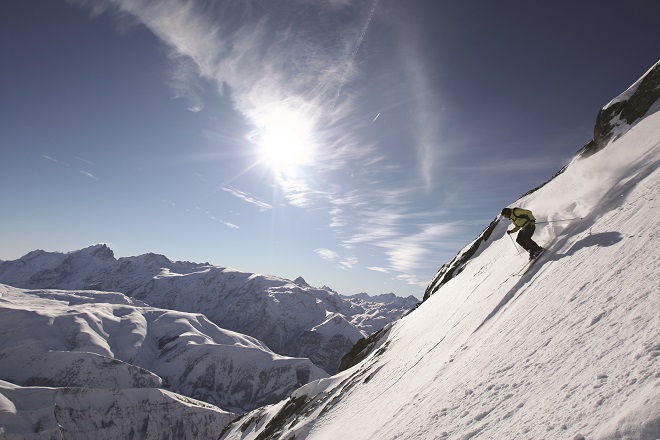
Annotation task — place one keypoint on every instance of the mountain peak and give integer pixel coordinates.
(301, 282)
(101, 251)
(32, 254)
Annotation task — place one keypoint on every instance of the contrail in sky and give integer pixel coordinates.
(375, 118)
(355, 51)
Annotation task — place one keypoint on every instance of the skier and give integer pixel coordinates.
(523, 220)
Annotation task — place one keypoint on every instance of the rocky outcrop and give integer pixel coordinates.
(624, 111)
(363, 348)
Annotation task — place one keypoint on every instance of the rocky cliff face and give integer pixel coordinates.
(624, 111)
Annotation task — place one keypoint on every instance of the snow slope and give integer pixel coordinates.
(279, 312)
(571, 350)
(91, 339)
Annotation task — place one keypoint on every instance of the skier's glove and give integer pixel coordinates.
(509, 232)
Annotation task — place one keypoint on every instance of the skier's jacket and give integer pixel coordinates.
(521, 218)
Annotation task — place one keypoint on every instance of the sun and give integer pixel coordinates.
(285, 139)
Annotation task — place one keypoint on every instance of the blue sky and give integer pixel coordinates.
(359, 144)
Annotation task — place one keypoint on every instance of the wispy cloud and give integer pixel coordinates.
(267, 61)
(330, 255)
(264, 59)
(263, 206)
(407, 253)
(229, 225)
(185, 83)
(296, 190)
(378, 269)
(213, 217)
(327, 254)
(90, 175)
(305, 61)
(59, 162)
(351, 59)
(427, 115)
(348, 263)
(45, 156)
(412, 280)
(84, 160)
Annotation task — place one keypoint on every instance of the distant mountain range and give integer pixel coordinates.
(141, 345)
(290, 317)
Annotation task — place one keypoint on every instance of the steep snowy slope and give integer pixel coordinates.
(571, 350)
(106, 340)
(279, 312)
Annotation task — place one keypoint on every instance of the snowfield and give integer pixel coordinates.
(571, 350)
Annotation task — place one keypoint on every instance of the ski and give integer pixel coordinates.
(529, 265)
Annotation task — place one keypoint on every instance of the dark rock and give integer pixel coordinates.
(362, 349)
(629, 111)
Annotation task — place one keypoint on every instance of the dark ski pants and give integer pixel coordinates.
(524, 238)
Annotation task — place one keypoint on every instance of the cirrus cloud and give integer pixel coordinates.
(327, 254)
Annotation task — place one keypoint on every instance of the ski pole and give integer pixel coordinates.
(564, 220)
(514, 245)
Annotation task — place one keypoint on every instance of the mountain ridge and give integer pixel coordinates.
(280, 312)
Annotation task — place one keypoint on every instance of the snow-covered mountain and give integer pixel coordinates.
(385, 298)
(286, 315)
(569, 350)
(92, 339)
(45, 413)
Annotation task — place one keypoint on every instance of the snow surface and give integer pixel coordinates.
(336, 324)
(571, 350)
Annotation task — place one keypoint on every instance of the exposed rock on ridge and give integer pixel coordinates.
(624, 110)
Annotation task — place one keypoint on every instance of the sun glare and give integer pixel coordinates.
(285, 140)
